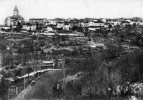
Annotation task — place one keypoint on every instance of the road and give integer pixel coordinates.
(42, 88)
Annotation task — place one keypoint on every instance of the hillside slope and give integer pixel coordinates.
(42, 88)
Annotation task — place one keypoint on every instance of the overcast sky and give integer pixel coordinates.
(72, 8)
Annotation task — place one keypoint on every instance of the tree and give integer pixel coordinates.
(18, 27)
(112, 52)
(3, 89)
(37, 26)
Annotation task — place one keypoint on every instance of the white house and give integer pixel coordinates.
(60, 25)
(52, 22)
(93, 28)
(96, 23)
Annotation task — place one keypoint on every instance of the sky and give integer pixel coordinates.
(72, 8)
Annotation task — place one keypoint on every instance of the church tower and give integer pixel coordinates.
(14, 19)
(16, 11)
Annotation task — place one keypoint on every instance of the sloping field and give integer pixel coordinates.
(42, 88)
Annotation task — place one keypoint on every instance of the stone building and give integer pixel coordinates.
(42, 21)
(13, 20)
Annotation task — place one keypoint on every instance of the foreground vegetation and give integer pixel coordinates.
(107, 69)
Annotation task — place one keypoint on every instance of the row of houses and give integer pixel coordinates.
(50, 25)
(92, 24)
(64, 24)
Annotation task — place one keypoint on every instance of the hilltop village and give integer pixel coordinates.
(86, 58)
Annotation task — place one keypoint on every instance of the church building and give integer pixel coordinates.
(13, 20)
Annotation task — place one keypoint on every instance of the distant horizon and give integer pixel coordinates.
(50, 9)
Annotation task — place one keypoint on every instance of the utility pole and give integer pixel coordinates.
(63, 68)
(0, 59)
(8, 94)
(16, 89)
(24, 82)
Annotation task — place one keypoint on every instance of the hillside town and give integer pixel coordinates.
(71, 59)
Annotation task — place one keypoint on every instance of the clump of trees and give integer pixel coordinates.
(107, 69)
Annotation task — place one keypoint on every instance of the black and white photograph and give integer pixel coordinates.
(71, 49)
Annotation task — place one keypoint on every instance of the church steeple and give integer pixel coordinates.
(16, 11)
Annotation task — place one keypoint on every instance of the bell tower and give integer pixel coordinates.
(16, 11)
